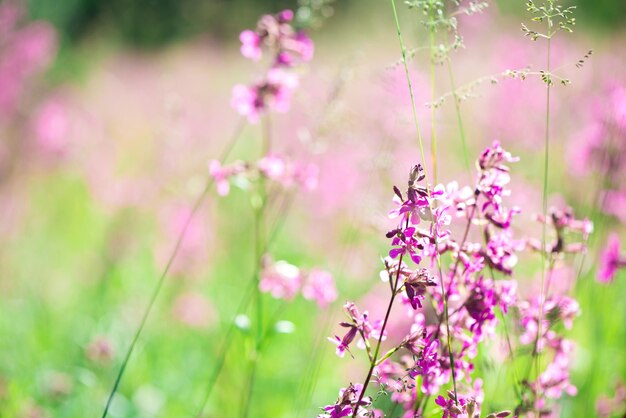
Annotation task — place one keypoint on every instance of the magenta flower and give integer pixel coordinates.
(405, 243)
(427, 366)
(416, 285)
(453, 410)
(347, 403)
(343, 344)
(610, 260)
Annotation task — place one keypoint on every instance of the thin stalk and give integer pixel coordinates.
(199, 200)
(545, 207)
(260, 238)
(221, 358)
(433, 128)
(380, 339)
(421, 147)
(282, 215)
(459, 119)
(596, 206)
(250, 384)
(518, 391)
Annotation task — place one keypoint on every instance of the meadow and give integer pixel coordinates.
(378, 208)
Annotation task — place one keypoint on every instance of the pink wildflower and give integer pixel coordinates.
(320, 287)
(281, 279)
(610, 260)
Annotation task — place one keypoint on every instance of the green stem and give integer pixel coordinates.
(380, 339)
(260, 238)
(545, 211)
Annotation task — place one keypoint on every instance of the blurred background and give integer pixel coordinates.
(109, 113)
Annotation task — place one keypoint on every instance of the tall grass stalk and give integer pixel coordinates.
(428, 187)
(546, 167)
(249, 293)
(260, 245)
(157, 289)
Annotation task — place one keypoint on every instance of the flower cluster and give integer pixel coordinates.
(348, 404)
(462, 305)
(283, 281)
(358, 323)
(273, 166)
(288, 47)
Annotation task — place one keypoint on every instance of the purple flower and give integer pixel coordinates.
(406, 243)
(416, 285)
(464, 409)
(427, 366)
(347, 403)
(343, 344)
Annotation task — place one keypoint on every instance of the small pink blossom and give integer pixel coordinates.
(250, 45)
(222, 174)
(51, 126)
(281, 279)
(100, 350)
(610, 260)
(194, 310)
(320, 287)
(272, 93)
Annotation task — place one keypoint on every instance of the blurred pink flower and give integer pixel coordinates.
(100, 350)
(276, 33)
(288, 173)
(281, 279)
(601, 145)
(221, 177)
(320, 287)
(25, 51)
(194, 310)
(610, 260)
(274, 167)
(51, 125)
(615, 203)
(250, 45)
(194, 246)
(272, 93)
